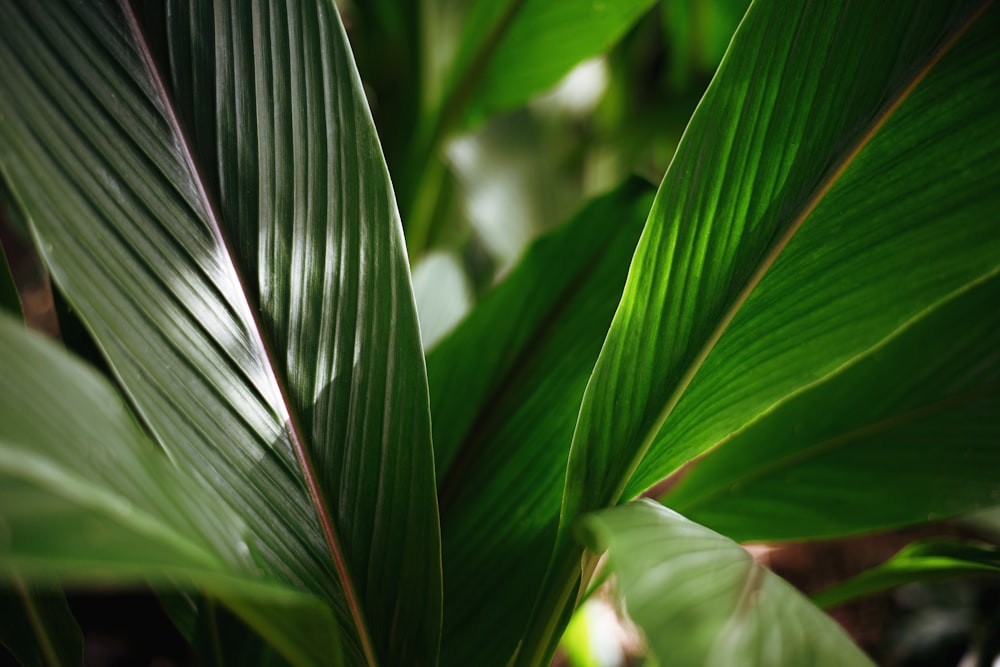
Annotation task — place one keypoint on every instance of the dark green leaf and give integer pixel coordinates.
(908, 432)
(505, 388)
(73, 506)
(245, 277)
(37, 626)
(701, 599)
(921, 561)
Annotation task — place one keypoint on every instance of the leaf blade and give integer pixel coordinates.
(702, 600)
(180, 262)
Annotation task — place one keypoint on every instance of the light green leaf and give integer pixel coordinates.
(926, 560)
(906, 433)
(879, 249)
(37, 626)
(701, 599)
(812, 184)
(72, 506)
(716, 232)
(224, 225)
(505, 388)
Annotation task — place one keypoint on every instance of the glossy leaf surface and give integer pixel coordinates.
(814, 162)
(926, 560)
(915, 436)
(736, 214)
(701, 599)
(505, 388)
(224, 224)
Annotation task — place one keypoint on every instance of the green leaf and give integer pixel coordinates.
(877, 251)
(73, 507)
(703, 600)
(511, 50)
(812, 184)
(37, 626)
(505, 389)
(906, 433)
(926, 560)
(729, 206)
(224, 225)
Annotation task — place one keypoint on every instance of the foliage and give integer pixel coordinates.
(797, 329)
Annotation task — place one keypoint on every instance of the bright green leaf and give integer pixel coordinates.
(813, 183)
(701, 599)
(224, 225)
(878, 250)
(926, 560)
(910, 431)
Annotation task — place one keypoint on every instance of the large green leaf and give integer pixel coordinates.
(505, 388)
(74, 507)
(921, 561)
(37, 625)
(812, 183)
(230, 238)
(701, 599)
(915, 435)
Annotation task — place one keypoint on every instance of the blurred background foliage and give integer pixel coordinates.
(497, 177)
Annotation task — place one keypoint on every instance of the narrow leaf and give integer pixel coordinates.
(926, 560)
(701, 599)
(810, 155)
(224, 225)
(909, 432)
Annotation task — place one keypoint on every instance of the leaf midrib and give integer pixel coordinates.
(771, 256)
(250, 314)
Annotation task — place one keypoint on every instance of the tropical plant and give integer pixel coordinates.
(798, 331)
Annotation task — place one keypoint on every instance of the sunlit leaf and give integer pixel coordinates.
(821, 181)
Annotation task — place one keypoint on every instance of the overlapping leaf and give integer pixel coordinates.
(228, 234)
(833, 152)
(73, 507)
(702, 600)
(915, 435)
(505, 388)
